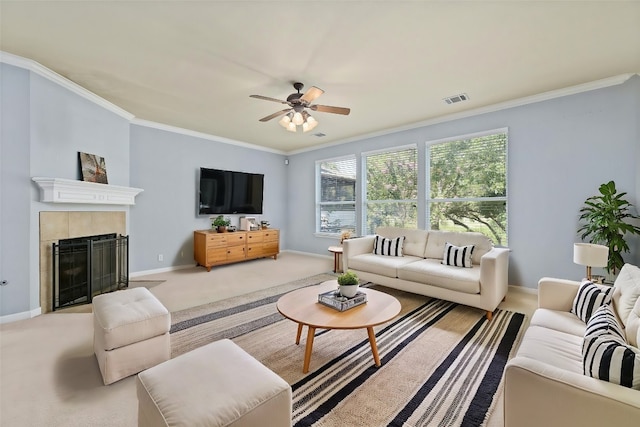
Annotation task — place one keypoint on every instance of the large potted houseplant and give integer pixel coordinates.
(348, 284)
(605, 219)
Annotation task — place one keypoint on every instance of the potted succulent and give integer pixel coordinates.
(221, 223)
(605, 223)
(348, 284)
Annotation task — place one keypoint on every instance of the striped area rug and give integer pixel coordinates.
(442, 363)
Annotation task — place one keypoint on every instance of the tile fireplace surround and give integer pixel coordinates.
(66, 225)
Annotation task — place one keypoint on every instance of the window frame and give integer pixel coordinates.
(318, 190)
(364, 196)
(427, 192)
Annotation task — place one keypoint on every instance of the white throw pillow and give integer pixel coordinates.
(589, 298)
(628, 282)
(633, 326)
(458, 256)
(389, 247)
(608, 358)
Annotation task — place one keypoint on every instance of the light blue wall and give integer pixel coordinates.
(560, 151)
(14, 189)
(167, 165)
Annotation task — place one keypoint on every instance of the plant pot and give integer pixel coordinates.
(221, 228)
(348, 291)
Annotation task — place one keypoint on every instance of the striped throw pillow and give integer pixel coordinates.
(589, 298)
(458, 256)
(604, 321)
(389, 247)
(609, 358)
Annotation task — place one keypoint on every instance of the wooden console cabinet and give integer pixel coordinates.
(211, 248)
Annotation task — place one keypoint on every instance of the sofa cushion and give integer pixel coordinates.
(555, 348)
(437, 240)
(633, 325)
(609, 358)
(432, 272)
(589, 297)
(389, 247)
(561, 321)
(604, 321)
(457, 256)
(628, 282)
(414, 240)
(377, 264)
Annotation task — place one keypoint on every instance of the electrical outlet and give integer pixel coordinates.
(160, 257)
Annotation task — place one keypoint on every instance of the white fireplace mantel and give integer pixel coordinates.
(60, 190)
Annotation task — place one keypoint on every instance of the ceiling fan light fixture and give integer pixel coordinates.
(285, 120)
(297, 118)
(297, 114)
(309, 124)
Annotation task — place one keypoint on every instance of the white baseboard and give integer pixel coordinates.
(523, 289)
(20, 316)
(308, 254)
(181, 267)
(160, 270)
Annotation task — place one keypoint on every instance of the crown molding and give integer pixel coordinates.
(196, 134)
(41, 70)
(45, 72)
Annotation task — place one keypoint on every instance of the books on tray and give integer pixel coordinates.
(334, 300)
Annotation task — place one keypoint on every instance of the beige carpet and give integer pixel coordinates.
(441, 363)
(49, 375)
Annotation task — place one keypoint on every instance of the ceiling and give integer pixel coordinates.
(193, 64)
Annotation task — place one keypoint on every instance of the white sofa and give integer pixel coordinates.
(420, 269)
(545, 384)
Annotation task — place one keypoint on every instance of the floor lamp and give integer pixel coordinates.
(590, 255)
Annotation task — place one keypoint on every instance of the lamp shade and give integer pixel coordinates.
(590, 254)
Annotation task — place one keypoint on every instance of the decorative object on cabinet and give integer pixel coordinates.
(221, 224)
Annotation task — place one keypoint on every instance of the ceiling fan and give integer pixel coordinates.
(296, 114)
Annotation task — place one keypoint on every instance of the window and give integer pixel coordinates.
(391, 194)
(336, 198)
(468, 185)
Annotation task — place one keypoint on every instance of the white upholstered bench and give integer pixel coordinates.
(218, 385)
(130, 332)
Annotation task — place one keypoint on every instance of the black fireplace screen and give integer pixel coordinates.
(88, 266)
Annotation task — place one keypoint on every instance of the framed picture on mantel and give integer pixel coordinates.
(93, 168)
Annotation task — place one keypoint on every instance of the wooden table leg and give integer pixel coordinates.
(307, 351)
(299, 333)
(374, 347)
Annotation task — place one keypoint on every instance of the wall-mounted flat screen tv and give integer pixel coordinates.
(230, 192)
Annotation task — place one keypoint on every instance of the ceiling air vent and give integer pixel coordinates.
(319, 134)
(457, 98)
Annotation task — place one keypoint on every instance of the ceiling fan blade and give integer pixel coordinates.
(312, 94)
(266, 98)
(329, 109)
(274, 115)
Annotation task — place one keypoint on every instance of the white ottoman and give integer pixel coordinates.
(130, 332)
(216, 385)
